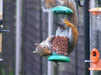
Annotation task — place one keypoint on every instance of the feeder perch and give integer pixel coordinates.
(60, 40)
(95, 11)
(95, 63)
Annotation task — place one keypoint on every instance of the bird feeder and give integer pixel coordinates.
(61, 39)
(95, 39)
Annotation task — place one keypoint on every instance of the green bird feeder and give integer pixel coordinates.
(60, 12)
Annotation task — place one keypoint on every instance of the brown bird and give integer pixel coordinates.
(44, 48)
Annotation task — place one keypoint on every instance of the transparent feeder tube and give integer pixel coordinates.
(92, 32)
(95, 36)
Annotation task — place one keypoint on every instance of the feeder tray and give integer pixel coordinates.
(59, 49)
(62, 10)
(95, 11)
(95, 63)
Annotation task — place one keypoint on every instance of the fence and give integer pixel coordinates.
(35, 30)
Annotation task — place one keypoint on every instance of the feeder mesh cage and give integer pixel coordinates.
(60, 45)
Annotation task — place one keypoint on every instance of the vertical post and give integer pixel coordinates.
(87, 35)
(18, 36)
(50, 23)
(52, 66)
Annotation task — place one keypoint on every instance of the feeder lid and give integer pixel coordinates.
(62, 10)
(95, 11)
(57, 57)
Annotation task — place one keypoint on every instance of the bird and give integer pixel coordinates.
(44, 48)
